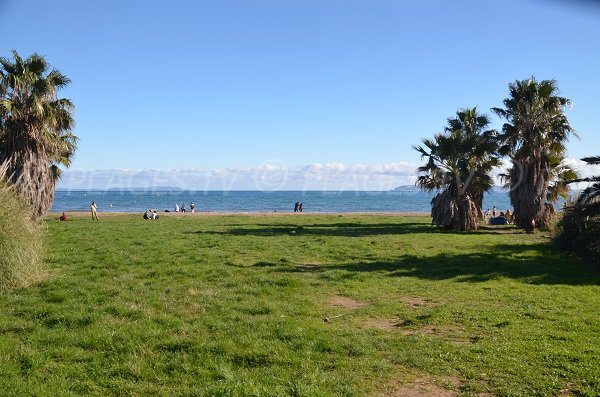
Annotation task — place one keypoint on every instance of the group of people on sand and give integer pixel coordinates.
(153, 215)
(298, 206)
(183, 208)
(495, 218)
(149, 214)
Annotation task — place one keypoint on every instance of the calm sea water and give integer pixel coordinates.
(257, 201)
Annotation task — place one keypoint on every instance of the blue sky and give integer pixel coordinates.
(255, 85)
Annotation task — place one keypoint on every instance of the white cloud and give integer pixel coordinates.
(271, 175)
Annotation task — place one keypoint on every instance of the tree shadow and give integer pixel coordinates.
(346, 229)
(528, 263)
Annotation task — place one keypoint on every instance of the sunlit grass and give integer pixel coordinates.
(299, 306)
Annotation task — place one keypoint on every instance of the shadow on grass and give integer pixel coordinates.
(533, 263)
(346, 230)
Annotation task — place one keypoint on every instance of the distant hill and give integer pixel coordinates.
(413, 188)
(127, 189)
(406, 188)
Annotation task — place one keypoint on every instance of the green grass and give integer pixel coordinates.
(235, 306)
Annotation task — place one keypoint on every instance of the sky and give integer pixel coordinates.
(311, 94)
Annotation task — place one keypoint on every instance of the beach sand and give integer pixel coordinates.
(208, 214)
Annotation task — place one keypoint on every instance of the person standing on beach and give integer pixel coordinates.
(94, 209)
(300, 207)
(182, 207)
(296, 206)
(192, 207)
(176, 207)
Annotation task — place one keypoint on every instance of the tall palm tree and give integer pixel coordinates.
(35, 127)
(534, 137)
(459, 162)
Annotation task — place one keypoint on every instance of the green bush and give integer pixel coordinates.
(579, 229)
(20, 241)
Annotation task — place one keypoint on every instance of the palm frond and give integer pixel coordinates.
(592, 160)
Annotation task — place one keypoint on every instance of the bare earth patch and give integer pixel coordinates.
(567, 392)
(420, 302)
(448, 333)
(309, 266)
(384, 325)
(343, 301)
(421, 388)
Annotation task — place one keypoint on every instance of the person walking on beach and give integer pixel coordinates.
(300, 207)
(296, 206)
(94, 209)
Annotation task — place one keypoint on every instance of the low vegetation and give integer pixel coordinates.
(20, 241)
(300, 306)
(579, 228)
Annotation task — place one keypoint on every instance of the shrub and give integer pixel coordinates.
(579, 229)
(20, 241)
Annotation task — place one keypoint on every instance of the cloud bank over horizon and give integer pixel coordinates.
(269, 176)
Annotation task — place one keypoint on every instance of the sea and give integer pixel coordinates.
(406, 200)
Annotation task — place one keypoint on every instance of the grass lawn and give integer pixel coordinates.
(308, 305)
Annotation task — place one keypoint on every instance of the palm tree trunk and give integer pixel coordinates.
(477, 197)
(528, 195)
(456, 213)
(30, 173)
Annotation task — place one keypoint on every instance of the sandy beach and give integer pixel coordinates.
(208, 214)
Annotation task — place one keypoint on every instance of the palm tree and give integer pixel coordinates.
(35, 127)
(459, 162)
(534, 137)
(579, 229)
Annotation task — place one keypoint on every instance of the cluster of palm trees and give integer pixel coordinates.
(459, 161)
(35, 128)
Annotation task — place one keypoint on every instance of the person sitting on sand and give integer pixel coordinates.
(63, 217)
(147, 214)
(154, 215)
(509, 216)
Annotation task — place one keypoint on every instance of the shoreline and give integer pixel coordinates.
(231, 213)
